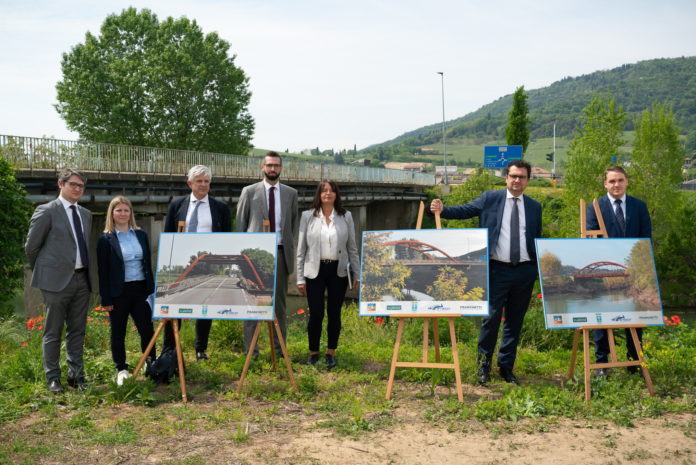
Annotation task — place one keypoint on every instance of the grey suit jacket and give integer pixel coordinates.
(252, 209)
(51, 246)
(309, 246)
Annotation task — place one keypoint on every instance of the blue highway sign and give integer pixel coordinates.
(498, 156)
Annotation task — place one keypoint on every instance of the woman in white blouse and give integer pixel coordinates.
(327, 258)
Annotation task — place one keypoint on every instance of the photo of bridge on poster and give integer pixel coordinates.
(215, 276)
(598, 282)
(424, 272)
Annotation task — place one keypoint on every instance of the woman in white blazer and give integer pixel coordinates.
(327, 258)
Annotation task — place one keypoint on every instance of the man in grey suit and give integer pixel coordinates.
(57, 247)
(277, 203)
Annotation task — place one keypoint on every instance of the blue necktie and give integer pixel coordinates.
(620, 217)
(193, 222)
(515, 233)
(81, 244)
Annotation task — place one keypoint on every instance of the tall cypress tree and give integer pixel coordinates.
(517, 129)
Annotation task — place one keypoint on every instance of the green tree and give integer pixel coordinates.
(640, 267)
(152, 83)
(517, 129)
(263, 262)
(596, 141)
(15, 212)
(479, 182)
(451, 285)
(381, 275)
(655, 171)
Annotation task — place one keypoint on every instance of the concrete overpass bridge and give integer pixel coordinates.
(379, 199)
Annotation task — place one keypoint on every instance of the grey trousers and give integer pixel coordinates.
(281, 292)
(67, 308)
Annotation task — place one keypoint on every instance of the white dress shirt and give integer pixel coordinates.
(205, 219)
(68, 211)
(613, 205)
(502, 248)
(329, 237)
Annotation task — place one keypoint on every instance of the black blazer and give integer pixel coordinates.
(489, 208)
(637, 218)
(219, 211)
(112, 270)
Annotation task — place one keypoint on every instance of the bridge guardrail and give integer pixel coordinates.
(43, 153)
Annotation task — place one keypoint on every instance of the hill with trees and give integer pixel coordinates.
(636, 87)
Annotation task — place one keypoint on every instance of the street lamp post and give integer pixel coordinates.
(444, 144)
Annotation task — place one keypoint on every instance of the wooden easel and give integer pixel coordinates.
(613, 363)
(181, 227)
(436, 337)
(271, 326)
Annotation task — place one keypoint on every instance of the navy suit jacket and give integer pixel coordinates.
(112, 269)
(489, 208)
(219, 212)
(637, 218)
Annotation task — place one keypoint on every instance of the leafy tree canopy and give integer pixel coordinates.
(151, 83)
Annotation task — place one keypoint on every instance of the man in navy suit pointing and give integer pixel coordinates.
(624, 216)
(513, 221)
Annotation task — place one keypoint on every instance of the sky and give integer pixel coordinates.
(335, 74)
(454, 242)
(187, 245)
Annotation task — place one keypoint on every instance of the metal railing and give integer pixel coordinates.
(32, 153)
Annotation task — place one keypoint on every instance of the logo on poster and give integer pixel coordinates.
(598, 316)
(371, 307)
(204, 310)
(393, 307)
(558, 319)
(414, 306)
(164, 309)
(437, 307)
(185, 310)
(579, 319)
(225, 311)
(620, 318)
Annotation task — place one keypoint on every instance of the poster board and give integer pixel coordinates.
(424, 272)
(598, 282)
(226, 276)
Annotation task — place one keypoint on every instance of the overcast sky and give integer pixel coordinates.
(337, 73)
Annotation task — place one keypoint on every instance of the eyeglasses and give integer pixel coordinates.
(516, 177)
(272, 165)
(75, 185)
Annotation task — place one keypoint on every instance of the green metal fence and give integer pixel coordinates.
(29, 153)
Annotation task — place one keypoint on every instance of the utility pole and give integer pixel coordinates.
(444, 144)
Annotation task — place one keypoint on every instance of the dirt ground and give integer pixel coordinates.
(409, 439)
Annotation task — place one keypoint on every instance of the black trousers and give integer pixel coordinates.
(133, 302)
(601, 340)
(511, 289)
(202, 333)
(326, 281)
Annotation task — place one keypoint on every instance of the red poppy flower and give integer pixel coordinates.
(30, 324)
(539, 295)
(675, 320)
(25, 343)
(379, 320)
(300, 311)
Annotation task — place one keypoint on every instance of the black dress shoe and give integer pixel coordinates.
(201, 356)
(484, 376)
(79, 383)
(313, 359)
(507, 375)
(330, 361)
(55, 387)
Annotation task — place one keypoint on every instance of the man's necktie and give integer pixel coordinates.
(81, 244)
(271, 208)
(515, 233)
(620, 216)
(193, 222)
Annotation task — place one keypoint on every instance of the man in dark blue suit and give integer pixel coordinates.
(624, 216)
(513, 221)
(197, 212)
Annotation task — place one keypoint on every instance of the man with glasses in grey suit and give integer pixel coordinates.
(277, 203)
(57, 247)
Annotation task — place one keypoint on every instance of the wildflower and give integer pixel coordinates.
(30, 324)
(25, 343)
(300, 311)
(39, 318)
(379, 320)
(540, 295)
(39, 328)
(675, 320)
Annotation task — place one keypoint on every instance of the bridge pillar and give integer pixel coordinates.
(392, 214)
